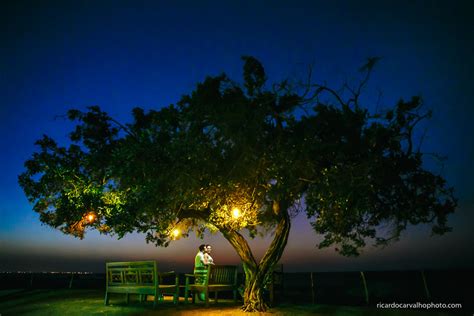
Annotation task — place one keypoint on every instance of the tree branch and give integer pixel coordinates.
(241, 246)
(275, 251)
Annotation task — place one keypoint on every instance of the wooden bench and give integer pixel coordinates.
(139, 277)
(216, 278)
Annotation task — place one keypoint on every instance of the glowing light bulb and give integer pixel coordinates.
(235, 212)
(175, 233)
(90, 217)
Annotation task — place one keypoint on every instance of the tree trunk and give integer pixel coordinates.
(256, 273)
(253, 295)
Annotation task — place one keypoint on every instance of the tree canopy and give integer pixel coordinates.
(235, 157)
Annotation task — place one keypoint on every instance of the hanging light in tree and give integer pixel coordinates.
(175, 233)
(235, 212)
(91, 217)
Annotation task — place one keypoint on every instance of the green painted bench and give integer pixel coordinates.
(139, 277)
(216, 278)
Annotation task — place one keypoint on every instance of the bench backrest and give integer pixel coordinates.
(136, 273)
(222, 274)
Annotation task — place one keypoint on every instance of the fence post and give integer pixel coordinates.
(312, 288)
(364, 282)
(31, 280)
(70, 281)
(427, 292)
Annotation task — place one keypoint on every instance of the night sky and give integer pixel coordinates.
(57, 55)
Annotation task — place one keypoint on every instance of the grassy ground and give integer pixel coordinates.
(91, 302)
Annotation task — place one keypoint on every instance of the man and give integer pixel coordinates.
(201, 262)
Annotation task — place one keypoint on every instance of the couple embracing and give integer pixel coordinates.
(203, 258)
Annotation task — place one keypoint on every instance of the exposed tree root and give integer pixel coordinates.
(255, 306)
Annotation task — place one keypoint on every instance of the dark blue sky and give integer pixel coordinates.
(56, 55)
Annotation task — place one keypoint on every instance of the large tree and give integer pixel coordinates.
(242, 160)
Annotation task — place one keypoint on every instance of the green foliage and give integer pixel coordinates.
(224, 146)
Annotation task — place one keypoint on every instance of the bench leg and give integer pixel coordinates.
(216, 296)
(155, 299)
(207, 297)
(235, 296)
(106, 300)
(127, 298)
(176, 294)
